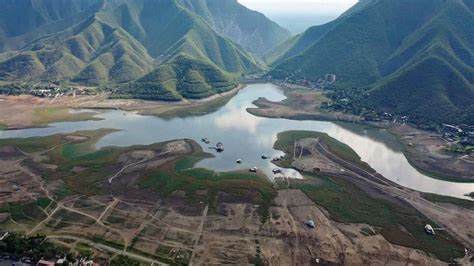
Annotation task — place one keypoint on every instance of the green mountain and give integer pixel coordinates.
(182, 77)
(250, 29)
(22, 21)
(118, 41)
(417, 57)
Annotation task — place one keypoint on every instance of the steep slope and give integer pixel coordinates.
(175, 29)
(91, 52)
(117, 41)
(417, 56)
(301, 42)
(23, 21)
(182, 77)
(36, 13)
(250, 29)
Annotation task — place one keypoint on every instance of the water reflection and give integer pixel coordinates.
(248, 137)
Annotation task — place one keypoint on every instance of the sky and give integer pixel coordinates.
(297, 15)
(323, 7)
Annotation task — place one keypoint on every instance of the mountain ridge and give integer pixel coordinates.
(118, 41)
(384, 44)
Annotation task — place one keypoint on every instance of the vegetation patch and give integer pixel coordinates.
(47, 115)
(18, 246)
(122, 260)
(468, 204)
(23, 211)
(43, 202)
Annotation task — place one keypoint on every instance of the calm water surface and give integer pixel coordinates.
(248, 137)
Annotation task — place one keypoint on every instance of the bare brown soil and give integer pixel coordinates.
(138, 220)
(426, 151)
(454, 219)
(236, 234)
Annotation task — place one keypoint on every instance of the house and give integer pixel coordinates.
(452, 129)
(220, 147)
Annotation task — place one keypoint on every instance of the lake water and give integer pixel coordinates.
(247, 137)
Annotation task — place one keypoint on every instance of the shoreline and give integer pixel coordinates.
(23, 112)
(425, 153)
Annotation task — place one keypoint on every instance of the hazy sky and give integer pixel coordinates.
(323, 7)
(298, 15)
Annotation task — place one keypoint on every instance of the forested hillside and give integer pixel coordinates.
(417, 57)
(96, 42)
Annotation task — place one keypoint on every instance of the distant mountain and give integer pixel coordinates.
(250, 29)
(118, 41)
(416, 56)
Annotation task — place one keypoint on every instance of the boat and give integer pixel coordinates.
(276, 171)
(220, 147)
(253, 169)
(206, 140)
(239, 161)
(264, 156)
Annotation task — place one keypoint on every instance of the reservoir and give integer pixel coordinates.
(247, 137)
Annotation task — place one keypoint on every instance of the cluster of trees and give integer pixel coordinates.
(18, 246)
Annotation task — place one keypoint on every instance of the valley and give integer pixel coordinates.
(197, 132)
(91, 189)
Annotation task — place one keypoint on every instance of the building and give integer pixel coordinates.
(452, 129)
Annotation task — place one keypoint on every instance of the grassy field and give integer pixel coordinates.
(286, 140)
(347, 203)
(445, 199)
(68, 154)
(25, 212)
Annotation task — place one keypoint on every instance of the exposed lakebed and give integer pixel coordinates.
(247, 137)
